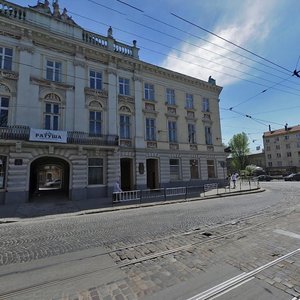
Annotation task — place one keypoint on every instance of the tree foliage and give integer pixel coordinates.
(239, 145)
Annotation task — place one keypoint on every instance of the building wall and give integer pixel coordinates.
(29, 91)
(282, 149)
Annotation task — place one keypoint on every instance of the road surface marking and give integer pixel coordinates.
(236, 281)
(288, 233)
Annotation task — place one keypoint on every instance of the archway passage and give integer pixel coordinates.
(49, 179)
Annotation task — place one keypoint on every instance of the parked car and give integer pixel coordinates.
(54, 183)
(292, 177)
(264, 178)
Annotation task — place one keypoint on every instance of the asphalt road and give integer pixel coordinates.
(54, 251)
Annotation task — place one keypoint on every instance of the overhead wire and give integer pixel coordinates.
(230, 42)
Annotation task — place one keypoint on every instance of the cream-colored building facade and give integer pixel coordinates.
(80, 110)
(282, 150)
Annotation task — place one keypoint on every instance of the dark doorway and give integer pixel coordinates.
(126, 174)
(49, 179)
(152, 173)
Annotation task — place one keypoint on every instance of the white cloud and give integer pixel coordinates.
(247, 25)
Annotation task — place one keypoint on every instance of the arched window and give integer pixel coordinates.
(4, 104)
(52, 112)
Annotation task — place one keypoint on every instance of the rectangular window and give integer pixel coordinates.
(194, 169)
(279, 163)
(95, 80)
(4, 102)
(124, 127)
(170, 93)
(267, 141)
(269, 164)
(205, 105)
(298, 144)
(172, 132)
(95, 123)
(174, 169)
(298, 135)
(191, 133)
(208, 135)
(286, 137)
(150, 130)
(53, 71)
(277, 147)
(278, 155)
(51, 116)
(189, 101)
(6, 58)
(2, 171)
(149, 91)
(289, 154)
(124, 88)
(269, 156)
(95, 171)
(211, 169)
(288, 146)
(268, 148)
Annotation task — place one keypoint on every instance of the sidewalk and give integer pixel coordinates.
(54, 209)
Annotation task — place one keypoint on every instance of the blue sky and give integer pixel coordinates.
(269, 28)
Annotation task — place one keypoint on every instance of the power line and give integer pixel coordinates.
(232, 43)
(265, 90)
(227, 74)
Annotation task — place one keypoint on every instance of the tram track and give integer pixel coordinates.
(206, 236)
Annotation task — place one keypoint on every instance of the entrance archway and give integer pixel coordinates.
(49, 179)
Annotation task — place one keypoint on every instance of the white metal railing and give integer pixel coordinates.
(176, 191)
(126, 196)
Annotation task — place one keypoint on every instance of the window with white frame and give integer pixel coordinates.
(192, 133)
(194, 169)
(211, 169)
(125, 127)
(95, 80)
(205, 105)
(54, 70)
(189, 101)
(172, 128)
(6, 55)
(95, 123)
(51, 116)
(170, 94)
(149, 91)
(124, 87)
(150, 129)
(174, 169)
(95, 171)
(208, 135)
(4, 103)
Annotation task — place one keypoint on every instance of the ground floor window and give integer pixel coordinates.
(211, 169)
(2, 171)
(174, 169)
(95, 172)
(194, 169)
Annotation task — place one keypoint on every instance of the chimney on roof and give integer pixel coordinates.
(286, 127)
(270, 128)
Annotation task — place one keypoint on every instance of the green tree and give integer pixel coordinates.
(239, 145)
